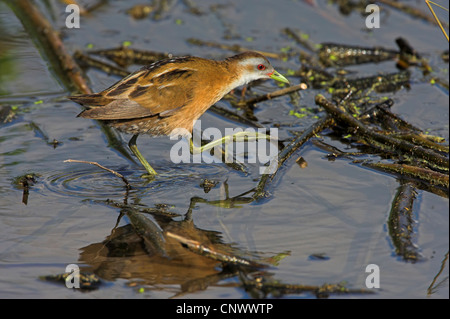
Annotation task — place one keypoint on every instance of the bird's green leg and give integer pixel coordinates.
(133, 147)
(237, 137)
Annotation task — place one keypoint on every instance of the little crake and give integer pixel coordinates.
(168, 96)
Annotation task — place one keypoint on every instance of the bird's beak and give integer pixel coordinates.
(278, 77)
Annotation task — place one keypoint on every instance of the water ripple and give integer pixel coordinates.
(85, 182)
(93, 182)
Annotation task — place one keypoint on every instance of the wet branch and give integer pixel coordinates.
(423, 174)
(271, 95)
(386, 143)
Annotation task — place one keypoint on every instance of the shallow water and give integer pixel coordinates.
(336, 210)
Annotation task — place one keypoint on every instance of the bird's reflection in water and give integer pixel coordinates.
(158, 249)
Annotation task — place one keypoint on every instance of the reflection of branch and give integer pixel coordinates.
(433, 284)
(149, 230)
(401, 222)
(262, 287)
(105, 67)
(211, 252)
(102, 167)
(25, 182)
(229, 202)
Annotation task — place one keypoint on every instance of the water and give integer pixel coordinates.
(334, 209)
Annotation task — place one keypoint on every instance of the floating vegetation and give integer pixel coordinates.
(25, 182)
(87, 281)
(331, 55)
(7, 113)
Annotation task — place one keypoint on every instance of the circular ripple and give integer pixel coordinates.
(86, 183)
(94, 182)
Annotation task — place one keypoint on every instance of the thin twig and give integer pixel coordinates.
(271, 95)
(102, 167)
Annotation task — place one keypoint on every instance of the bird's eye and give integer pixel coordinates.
(261, 67)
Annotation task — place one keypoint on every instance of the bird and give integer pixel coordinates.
(168, 96)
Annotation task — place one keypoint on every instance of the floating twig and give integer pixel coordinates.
(271, 95)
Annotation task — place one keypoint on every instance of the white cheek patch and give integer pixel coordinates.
(249, 77)
(250, 73)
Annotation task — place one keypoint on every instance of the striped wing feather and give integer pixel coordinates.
(159, 89)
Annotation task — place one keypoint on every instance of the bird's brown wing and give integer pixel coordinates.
(151, 91)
